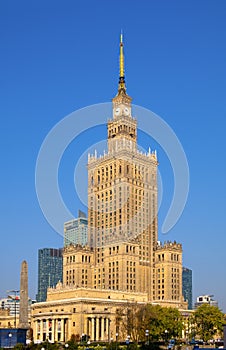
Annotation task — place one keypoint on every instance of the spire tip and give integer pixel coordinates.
(121, 37)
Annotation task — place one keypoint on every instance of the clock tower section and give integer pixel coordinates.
(123, 126)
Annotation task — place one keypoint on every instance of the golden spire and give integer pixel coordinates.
(121, 58)
(122, 84)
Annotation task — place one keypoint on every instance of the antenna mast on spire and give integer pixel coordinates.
(122, 84)
(121, 59)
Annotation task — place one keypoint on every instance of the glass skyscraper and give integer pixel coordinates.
(50, 270)
(187, 286)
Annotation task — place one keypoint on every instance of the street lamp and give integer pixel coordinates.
(186, 337)
(147, 336)
(166, 334)
(66, 345)
(10, 337)
(116, 336)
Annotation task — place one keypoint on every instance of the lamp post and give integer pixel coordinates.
(10, 337)
(116, 336)
(186, 337)
(66, 345)
(147, 336)
(166, 334)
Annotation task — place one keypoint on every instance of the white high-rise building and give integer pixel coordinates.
(76, 230)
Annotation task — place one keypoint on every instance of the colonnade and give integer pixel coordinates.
(98, 328)
(52, 329)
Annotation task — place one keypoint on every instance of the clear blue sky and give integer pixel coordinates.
(59, 56)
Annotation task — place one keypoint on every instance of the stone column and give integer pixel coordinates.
(103, 333)
(35, 330)
(97, 328)
(57, 328)
(93, 326)
(41, 330)
(62, 330)
(53, 329)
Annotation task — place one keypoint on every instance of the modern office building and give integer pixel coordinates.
(123, 264)
(187, 286)
(50, 270)
(205, 299)
(76, 231)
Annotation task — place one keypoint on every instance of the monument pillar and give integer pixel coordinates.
(23, 316)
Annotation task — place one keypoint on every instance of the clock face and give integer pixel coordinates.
(126, 111)
(117, 111)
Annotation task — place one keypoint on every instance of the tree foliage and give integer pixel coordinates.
(164, 322)
(208, 321)
(161, 322)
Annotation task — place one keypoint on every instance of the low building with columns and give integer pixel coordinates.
(75, 311)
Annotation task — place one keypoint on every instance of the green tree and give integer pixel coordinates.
(164, 322)
(208, 321)
(153, 321)
(161, 322)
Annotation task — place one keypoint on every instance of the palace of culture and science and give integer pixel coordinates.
(123, 263)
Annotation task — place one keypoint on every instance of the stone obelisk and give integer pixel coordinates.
(23, 317)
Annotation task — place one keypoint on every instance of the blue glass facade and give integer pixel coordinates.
(187, 286)
(50, 270)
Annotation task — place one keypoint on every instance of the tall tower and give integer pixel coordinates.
(122, 202)
(23, 317)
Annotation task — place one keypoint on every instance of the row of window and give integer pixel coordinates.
(132, 181)
(72, 258)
